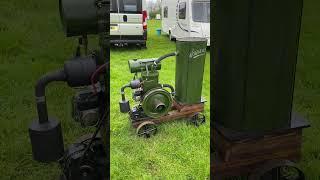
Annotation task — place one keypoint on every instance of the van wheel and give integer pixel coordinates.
(143, 45)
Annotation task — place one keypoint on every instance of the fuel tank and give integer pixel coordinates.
(189, 69)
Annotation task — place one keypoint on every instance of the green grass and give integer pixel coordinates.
(178, 151)
(32, 43)
(307, 87)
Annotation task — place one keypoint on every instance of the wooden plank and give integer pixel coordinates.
(239, 157)
(181, 112)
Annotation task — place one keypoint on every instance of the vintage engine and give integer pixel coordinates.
(158, 103)
(86, 72)
(154, 100)
(85, 106)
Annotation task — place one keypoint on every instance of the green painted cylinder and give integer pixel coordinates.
(140, 65)
(80, 17)
(190, 63)
(254, 63)
(150, 80)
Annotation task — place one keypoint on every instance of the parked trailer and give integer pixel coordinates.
(186, 18)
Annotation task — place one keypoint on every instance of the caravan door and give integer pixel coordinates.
(183, 21)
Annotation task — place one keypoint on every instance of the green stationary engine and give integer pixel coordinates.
(154, 100)
(161, 102)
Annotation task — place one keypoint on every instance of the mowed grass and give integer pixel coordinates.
(307, 88)
(178, 151)
(31, 43)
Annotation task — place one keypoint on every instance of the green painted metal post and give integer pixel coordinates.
(256, 47)
(189, 69)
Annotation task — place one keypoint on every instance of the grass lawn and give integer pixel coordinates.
(31, 43)
(178, 151)
(307, 87)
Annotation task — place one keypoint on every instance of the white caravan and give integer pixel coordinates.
(186, 18)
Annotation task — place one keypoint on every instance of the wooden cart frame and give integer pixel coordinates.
(242, 154)
(178, 111)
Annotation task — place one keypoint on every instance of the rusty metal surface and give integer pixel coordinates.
(178, 111)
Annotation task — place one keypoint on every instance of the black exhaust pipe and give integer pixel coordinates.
(45, 132)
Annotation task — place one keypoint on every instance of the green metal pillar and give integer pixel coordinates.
(189, 69)
(256, 47)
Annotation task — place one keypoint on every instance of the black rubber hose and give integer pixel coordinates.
(122, 91)
(170, 87)
(40, 92)
(164, 57)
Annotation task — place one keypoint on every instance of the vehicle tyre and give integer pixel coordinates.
(143, 45)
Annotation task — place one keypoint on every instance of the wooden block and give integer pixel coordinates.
(241, 156)
(183, 111)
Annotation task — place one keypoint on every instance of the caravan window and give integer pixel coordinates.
(130, 6)
(201, 11)
(182, 10)
(165, 12)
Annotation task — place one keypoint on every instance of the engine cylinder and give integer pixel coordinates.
(80, 17)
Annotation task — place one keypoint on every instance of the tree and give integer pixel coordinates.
(154, 8)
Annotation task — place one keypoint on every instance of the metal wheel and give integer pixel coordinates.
(198, 119)
(277, 170)
(147, 129)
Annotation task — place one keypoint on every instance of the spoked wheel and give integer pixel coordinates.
(277, 170)
(198, 119)
(147, 129)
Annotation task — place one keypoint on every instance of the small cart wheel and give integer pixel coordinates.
(277, 170)
(147, 129)
(198, 119)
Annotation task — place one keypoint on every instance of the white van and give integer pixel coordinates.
(186, 18)
(128, 22)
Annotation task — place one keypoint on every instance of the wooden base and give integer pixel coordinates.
(240, 156)
(178, 111)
